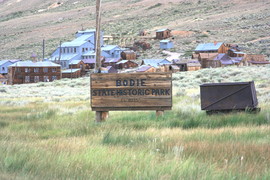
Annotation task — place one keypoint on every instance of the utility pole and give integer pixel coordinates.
(100, 115)
(60, 51)
(97, 43)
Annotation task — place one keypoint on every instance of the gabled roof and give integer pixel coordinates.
(175, 67)
(165, 41)
(109, 47)
(161, 30)
(111, 60)
(73, 44)
(208, 46)
(156, 62)
(3, 62)
(74, 62)
(87, 31)
(89, 61)
(143, 68)
(122, 62)
(70, 70)
(34, 64)
(64, 57)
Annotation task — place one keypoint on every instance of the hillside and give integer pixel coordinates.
(24, 23)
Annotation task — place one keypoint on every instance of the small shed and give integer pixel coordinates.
(128, 55)
(78, 64)
(71, 73)
(182, 64)
(207, 60)
(166, 44)
(163, 34)
(126, 64)
(145, 68)
(109, 69)
(193, 65)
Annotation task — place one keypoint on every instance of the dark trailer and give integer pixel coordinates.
(226, 97)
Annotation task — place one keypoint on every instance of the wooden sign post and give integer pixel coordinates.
(128, 92)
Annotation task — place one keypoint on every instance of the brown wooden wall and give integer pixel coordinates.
(163, 35)
(76, 74)
(16, 75)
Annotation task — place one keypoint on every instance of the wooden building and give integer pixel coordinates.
(145, 68)
(126, 64)
(108, 69)
(78, 64)
(216, 47)
(32, 72)
(193, 65)
(71, 73)
(128, 55)
(163, 34)
(110, 62)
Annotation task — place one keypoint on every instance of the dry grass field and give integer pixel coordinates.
(24, 23)
(47, 131)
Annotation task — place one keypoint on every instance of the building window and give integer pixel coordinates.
(46, 79)
(64, 51)
(67, 50)
(36, 70)
(82, 49)
(53, 69)
(27, 79)
(65, 64)
(86, 49)
(36, 79)
(27, 70)
(3, 68)
(18, 70)
(45, 70)
(54, 78)
(75, 50)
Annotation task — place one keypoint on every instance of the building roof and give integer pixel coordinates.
(74, 62)
(122, 62)
(143, 68)
(3, 62)
(87, 31)
(70, 70)
(156, 62)
(64, 57)
(129, 51)
(89, 61)
(161, 30)
(208, 46)
(111, 60)
(175, 67)
(109, 47)
(34, 64)
(165, 41)
(73, 43)
(192, 62)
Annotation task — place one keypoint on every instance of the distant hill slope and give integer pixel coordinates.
(24, 23)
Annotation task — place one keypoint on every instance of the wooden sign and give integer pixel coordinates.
(133, 91)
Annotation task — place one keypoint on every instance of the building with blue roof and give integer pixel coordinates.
(216, 47)
(83, 47)
(4, 66)
(166, 44)
(155, 62)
